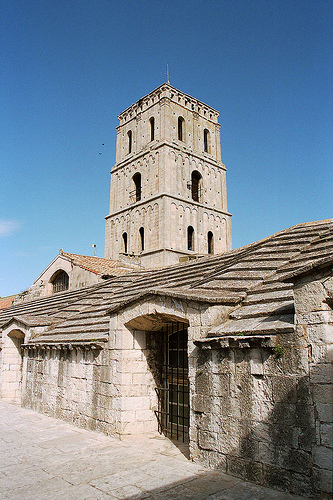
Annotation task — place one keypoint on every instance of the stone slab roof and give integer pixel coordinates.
(251, 280)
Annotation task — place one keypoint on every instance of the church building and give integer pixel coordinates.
(228, 351)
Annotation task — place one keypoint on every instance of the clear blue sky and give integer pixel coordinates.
(68, 67)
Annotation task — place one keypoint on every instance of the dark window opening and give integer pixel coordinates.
(173, 392)
(137, 186)
(60, 282)
(210, 241)
(196, 185)
(125, 242)
(152, 129)
(190, 238)
(180, 128)
(129, 135)
(206, 140)
(142, 238)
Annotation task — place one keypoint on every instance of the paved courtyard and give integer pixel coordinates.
(44, 458)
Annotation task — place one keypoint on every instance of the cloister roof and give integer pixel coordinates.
(254, 281)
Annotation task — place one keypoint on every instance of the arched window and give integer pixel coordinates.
(196, 181)
(206, 140)
(125, 242)
(181, 131)
(210, 242)
(190, 238)
(137, 186)
(60, 282)
(129, 136)
(142, 238)
(152, 128)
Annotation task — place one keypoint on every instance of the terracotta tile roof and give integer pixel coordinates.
(6, 301)
(99, 265)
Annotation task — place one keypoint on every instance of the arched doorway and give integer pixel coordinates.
(173, 391)
(12, 364)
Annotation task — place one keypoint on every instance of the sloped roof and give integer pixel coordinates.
(99, 265)
(6, 301)
(249, 279)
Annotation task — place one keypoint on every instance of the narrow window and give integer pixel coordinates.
(137, 186)
(142, 238)
(129, 135)
(152, 129)
(125, 242)
(196, 181)
(180, 128)
(206, 140)
(210, 241)
(190, 238)
(60, 282)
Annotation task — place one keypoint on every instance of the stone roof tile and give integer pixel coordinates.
(228, 278)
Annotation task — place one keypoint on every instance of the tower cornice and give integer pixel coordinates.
(167, 92)
(174, 145)
(158, 196)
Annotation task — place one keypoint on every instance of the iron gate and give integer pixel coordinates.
(173, 393)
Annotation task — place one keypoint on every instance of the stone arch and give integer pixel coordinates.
(12, 363)
(59, 281)
(141, 338)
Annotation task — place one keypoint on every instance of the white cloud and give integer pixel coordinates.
(8, 227)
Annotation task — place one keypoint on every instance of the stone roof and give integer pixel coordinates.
(251, 280)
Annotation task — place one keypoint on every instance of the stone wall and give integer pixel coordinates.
(254, 425)
(266, 414)
(111, 390)
(313, 305)
(75, 385)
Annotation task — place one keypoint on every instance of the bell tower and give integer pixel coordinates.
(168, 198)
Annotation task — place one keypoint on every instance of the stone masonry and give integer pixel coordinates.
(168, 177)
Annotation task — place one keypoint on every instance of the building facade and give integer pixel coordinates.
(168, 195)
(231, 353)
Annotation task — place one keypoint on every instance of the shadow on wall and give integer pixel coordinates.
(273, 429)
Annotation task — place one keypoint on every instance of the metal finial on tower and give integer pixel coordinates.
(167, 74)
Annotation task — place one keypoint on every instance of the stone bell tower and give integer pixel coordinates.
(168, 197)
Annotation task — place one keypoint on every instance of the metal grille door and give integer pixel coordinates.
(173, 394)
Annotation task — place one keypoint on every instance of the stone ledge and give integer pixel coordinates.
(237, 342)
(61, 345)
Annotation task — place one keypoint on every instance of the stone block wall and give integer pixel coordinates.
(266, 414)
(257, 426)
(111, 390)
(314, 321)
(75, 385)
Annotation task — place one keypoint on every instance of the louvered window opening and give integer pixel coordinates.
(61, 282)
(173, 393)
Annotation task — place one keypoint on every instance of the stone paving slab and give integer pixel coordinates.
(42, 458)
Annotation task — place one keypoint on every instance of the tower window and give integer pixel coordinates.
(152, 128)
(210, 242)
(60, 282)
(190, 238)
(142, 238)
(125, 242)
(180, 128)
(129, 136)
(196, 181)
(137, 186)
(206, 140)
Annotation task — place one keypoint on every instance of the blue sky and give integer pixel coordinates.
(68, 67)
